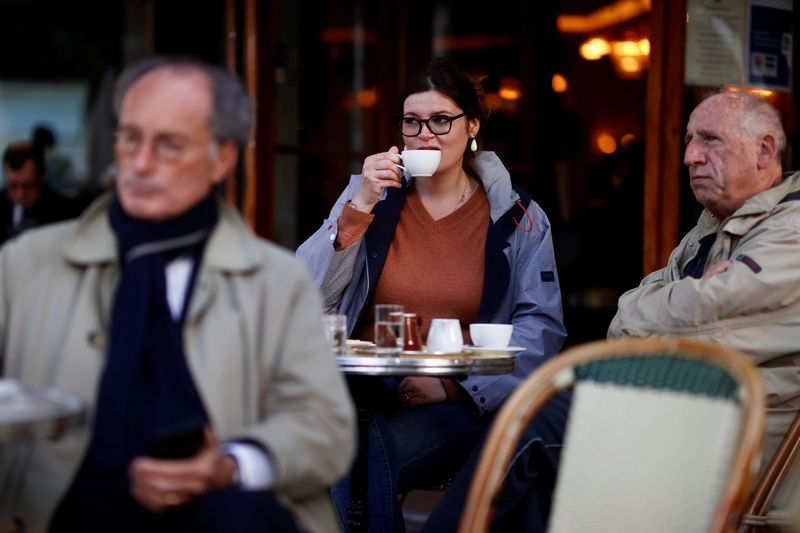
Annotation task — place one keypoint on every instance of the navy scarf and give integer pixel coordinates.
(147, 400)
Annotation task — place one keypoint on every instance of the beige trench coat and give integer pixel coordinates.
(253, 340)
(754, 306)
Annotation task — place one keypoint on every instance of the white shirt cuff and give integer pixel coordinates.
(256, 467)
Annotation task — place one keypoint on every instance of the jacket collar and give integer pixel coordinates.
(496, 182)
(230, 246)
(759, 206)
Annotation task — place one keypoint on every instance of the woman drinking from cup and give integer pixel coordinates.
(457, 241)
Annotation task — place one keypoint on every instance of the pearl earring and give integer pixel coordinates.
(473, 145)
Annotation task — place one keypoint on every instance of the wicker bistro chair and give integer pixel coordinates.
(663, 435)
(782, 469)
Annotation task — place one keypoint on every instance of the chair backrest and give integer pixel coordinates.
(663, 435)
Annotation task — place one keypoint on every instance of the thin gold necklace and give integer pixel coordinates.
(463, 197)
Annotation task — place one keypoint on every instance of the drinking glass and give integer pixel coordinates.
(336, 332)
(388, 329)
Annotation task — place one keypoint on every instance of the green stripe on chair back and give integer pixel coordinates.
(665, 372)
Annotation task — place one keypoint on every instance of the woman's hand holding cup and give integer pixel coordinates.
(378, 172)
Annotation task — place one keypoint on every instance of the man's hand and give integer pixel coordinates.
(159, 484)
(717, 268)
(420, 391)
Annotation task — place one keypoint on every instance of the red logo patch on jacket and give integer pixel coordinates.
(750, 262)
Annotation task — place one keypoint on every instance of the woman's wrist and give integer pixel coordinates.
(451, 389)
(358, 206)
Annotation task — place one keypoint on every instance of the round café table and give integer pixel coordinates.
(360, 364)
(28, 414)
(426, 364)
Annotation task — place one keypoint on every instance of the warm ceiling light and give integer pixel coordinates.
(510, 88)
(367, 97)
(627, 140)
(629, 64)
(610, 15)
(606, 143)
(631, 48)
(364, 98)
(625, 48)
(508, 93)
(559, 83)
(764, 93)
(595, 48)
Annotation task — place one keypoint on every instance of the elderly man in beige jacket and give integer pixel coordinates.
(214, 401)
(735, 277)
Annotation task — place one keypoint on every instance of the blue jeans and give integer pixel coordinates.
(526, 496)
(408, 448)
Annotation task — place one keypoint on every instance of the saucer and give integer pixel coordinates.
(354, 343)
(484, 349)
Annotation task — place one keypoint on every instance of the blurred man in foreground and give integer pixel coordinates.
(735, 277)
(181, 330)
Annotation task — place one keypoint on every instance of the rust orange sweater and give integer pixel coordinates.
(434, 267)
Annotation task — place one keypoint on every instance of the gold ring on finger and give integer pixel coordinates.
(171, 498)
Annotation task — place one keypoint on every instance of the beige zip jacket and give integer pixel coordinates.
(253, 340)
(754, 306)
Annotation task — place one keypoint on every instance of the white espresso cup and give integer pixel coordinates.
(445, 335)
(491, 335)
(420, 162)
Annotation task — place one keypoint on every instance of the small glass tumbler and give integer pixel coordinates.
(411, 334)
(388, 329)
(336, 332)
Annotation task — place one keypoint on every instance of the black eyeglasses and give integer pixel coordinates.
(437, 124)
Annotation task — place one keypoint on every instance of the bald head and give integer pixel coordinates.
(734, 143)
(758, 117)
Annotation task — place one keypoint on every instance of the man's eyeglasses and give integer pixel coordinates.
(166, 148)
(437, 124)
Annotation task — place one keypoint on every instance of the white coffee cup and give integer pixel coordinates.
(420, 162)
(445, 335)
(491, 335)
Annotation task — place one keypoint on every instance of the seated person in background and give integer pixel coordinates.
(27, 200)
(180, 329)
(735, 277)
(463, 243)
(59, 171)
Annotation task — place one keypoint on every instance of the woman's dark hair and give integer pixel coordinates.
(443, 76)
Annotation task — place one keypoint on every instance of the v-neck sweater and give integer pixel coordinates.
(435, 268)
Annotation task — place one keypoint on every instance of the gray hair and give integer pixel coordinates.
(232, 110)
(759, 116)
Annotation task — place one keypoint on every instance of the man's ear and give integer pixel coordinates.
(225, 163)
(767, 151)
